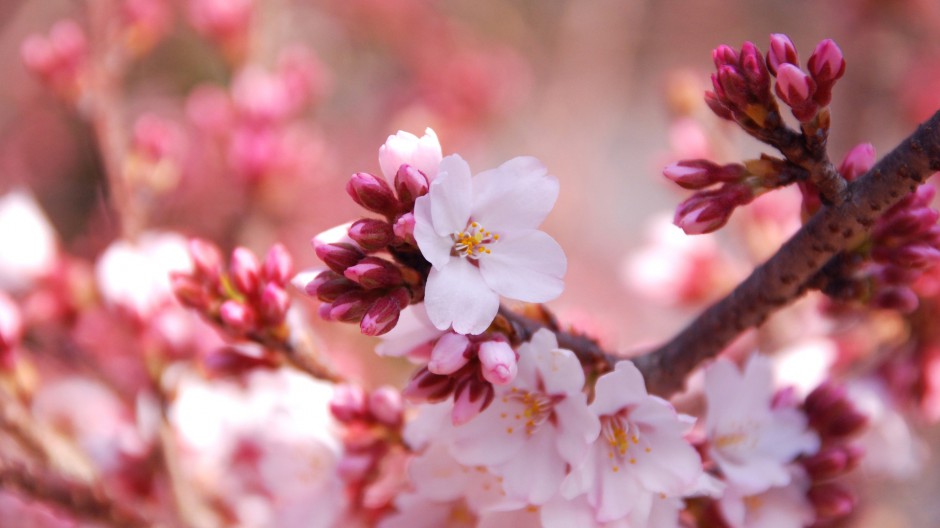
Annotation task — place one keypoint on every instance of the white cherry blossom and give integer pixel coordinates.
(422, 153)
(479, 234)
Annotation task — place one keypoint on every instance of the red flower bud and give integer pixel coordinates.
(410, 183)
(339, 256)
(278, 265)
(245, 271)
(373, 272)
(371, 234)
(373, 193)
(782, 51)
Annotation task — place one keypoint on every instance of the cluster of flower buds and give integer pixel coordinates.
(249, 300)
(58, 59)
(709, 210)
(837, 421)
(361, 287)
(742, 81)
(372, 428)
(466, 367)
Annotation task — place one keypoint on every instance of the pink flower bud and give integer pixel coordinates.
(37, 55)
(371, 234)
(278, 265)
(754, 70)
(339, 256)
(410, 183)
(717, 106)
(274, 303)
(381, 317)
(498, 360)
(707, 211)
(11, 323)
(237, 316)
(404, 228)
(725, 55)
(373, 193)
(449, 354)
(425, 386)
(826, 64)
(348, 403)
(329, 285)
(857, 161)
(254, 152)
(188, 291)
(793, 86)
(351, 306)
(207, 260)
(735, 92)
(831, 501)
(782, 51)
(156, 137)
(917, 256)
(245, 271)
(905, 224)
(700, 173)
(827, 463)
(353, 467)
(901, 299)
(471, 397)
(374, 272)
(823, 399)
(68, 41)
(386, 406)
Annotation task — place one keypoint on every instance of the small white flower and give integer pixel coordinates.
(422, 153)
(28, 240)
(479, 234)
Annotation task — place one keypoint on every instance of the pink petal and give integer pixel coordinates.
(451, 196)
(435, 248)
(457, 295)
(527, 266)
(618, 389)
(517, 195)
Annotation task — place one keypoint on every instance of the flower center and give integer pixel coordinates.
(473, 241)
(532, 409)
(623, 440)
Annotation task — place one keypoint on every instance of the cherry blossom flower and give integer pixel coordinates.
(25, 228)
(640, 453)
(779, 507)
(536, 427)
(479, 234)
(751, 440)
(422, 153)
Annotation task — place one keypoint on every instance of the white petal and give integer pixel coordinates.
(451, 196)
(422, 153)
(487, 439)
(560, 370)
(457, 295)
(527, 266)
(517, 195)
(578, 428)
(536, 472)
(618, 389)
(435, 248)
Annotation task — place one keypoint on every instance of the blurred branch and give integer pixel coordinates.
(786, 275)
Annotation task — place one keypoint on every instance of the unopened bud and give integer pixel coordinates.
(329, 285)
(498, 361)
(724, 55)
(734, 87)
(826, 65)
(700, 173)
(237, 316)
(278, 265)
(831, 501)
(782, 51)
(348, 403)
(274, 303)
(826, 464)
(374, 272)
(471, 397)
(373, 193)
(858, 161)
(207, 259)
(795, 88)
(754, 70)
(717, 106)
(823, 399)
(188, 291)
(381, 317)
(245, 271)
(339, 256)
(371, 234)
(404, 228)
(707, 211)
(386, 406)
(351, 306)
(410, 183)
(449, 354)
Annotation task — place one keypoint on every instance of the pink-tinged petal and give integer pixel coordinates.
(617, 389)
(451, 196)
(516, 195)
(536, 472)
(608, 495)
(579, 428)
(498, 362)
(436, 475)
(457, 295)
(560, 513)
(422, 153)
(434, 247)
(487, 440)
(559, 369)
(413, 330)
(448, 355)
(527, 266)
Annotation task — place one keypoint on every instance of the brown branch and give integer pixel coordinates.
(786, 275)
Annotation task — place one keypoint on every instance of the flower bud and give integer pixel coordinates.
(329, 285)
(237, 316)
(754, 70)
(831, 501)
(381, 317)
(498, 360)
(278, 265)
(374, 272)
(857, 161)
(827, 463)
(410, 183)
(207, 259)
(373, 193)
(339, 256)
(826, 64)
(424, 153)
(734, 87)
(245, 270)
(725, 55)
(700, 173)
(707, 211)
(348, 403)
(449, 354)
(471, 397)
(386, 406)
(404, 228)
(371, 234)
(794, 87)
(351, 306)
(188, 291)
(917, 256)
(426, 386)
(782, 51)
(901, 299)
(274, 303)
(717, 106)
(11, 323)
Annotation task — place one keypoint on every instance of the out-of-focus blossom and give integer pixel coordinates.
(641, 451)
(59, 58)
(413, 330)
(778, 507)
(11, 326)
(895, 450)
(750, 439)
(135, 276)
(29, 242)
(536, 427)
(403, 148)
(479, 233)
(805, 364)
